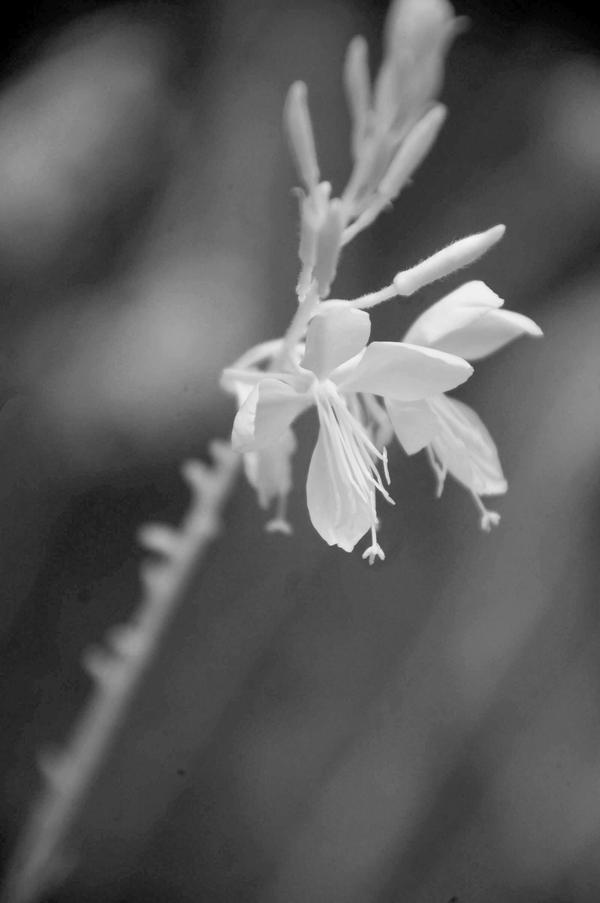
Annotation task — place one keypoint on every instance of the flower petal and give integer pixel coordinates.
(334, 336)
(269, 409)
(488, 333)
(403, 372)
(337, 511)
(452, 313)
(464, 446)
(269, 470)
(414, 423)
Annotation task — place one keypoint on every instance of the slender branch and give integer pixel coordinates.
(297, 328)
(41, 858)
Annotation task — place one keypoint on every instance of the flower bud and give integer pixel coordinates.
(417, 24)
(299, 128)
(358, 89)
(448, 260)
(329, 245)
(412, 152)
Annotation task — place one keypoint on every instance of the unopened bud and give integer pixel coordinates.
(417, 24)
(412, 152)
(313, 214)
(447, 261)
(357, 82)
(299, 128)
(329, 245)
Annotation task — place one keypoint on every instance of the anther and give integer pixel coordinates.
(488, 518)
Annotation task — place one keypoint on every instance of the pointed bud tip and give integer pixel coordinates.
(496, 232)
(297, 91)
(300, 133)
(437, 114)
(358, 44)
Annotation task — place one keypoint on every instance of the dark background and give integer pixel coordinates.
(312, 729)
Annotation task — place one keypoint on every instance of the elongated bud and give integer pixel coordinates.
(307, 250)
(313, 213)
(447, 261)
(418, 24)
(329, 245)
(412, 152)
(297, 121)
(357, 82)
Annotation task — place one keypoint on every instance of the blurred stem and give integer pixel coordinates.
(40, 858)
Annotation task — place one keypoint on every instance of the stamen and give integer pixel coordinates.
(374, 551)
(489, 518)
(362, 447)
(342, 453)
(385, 466)
(350, 451)
(280, 523)
(439, 469)
(356, 427)
(329, 454)
(384, 431)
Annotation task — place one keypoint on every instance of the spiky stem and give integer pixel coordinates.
(41, 856)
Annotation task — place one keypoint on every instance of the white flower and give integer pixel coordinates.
(468, 322)
(269, 470)
(343, 477)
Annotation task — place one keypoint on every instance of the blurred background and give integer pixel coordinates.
(426, 730)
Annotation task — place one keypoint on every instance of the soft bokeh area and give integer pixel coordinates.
(426, 730)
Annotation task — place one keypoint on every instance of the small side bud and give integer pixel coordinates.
(412, 152)
(329, 245)
(447, 261)
(307, 250)
(100, 664)
(160, 539)
(299, 128)
(126, 640)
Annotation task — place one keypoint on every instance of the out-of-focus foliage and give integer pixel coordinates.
(313, 729)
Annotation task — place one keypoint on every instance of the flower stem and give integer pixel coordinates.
(40, 858)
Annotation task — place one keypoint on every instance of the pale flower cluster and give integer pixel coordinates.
(366, 393)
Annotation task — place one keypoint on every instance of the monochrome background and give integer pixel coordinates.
(313, 729)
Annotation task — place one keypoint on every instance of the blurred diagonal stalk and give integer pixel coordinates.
(40, 858)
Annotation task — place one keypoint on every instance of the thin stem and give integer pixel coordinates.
(374, 298)
(297, 329)
(39, 859)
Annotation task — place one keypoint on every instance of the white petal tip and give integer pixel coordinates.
(534, 331)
